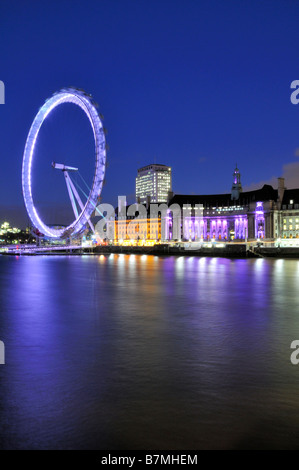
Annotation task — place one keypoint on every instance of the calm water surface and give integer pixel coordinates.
(144, 352)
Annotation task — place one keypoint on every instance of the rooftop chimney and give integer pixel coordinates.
(281, 189)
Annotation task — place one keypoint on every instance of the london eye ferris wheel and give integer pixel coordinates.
(82, 211)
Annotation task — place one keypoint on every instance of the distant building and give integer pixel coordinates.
(153, 183)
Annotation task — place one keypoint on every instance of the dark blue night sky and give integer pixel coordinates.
(198, 85)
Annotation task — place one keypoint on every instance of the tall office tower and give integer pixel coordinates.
(153, 181)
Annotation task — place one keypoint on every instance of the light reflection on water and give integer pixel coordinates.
(129, 351)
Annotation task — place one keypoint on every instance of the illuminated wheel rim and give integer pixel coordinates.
(84, 101)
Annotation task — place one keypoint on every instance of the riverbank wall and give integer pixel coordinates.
(232, 250)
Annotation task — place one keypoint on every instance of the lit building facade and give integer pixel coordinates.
(286, 221)
(153, 183)
(147, 229)
(140, 226)
(266, 214)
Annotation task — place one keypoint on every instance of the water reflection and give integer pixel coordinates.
(128, 351)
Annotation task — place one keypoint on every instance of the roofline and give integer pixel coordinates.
(153, 164)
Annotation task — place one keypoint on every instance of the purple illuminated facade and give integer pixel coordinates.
(210, 228)
(263, 214)
(219, 223)
(259, 221)
(234, 216)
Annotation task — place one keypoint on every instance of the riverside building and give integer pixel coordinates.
(265, 214)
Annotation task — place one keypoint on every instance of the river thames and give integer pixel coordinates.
(144, 352)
